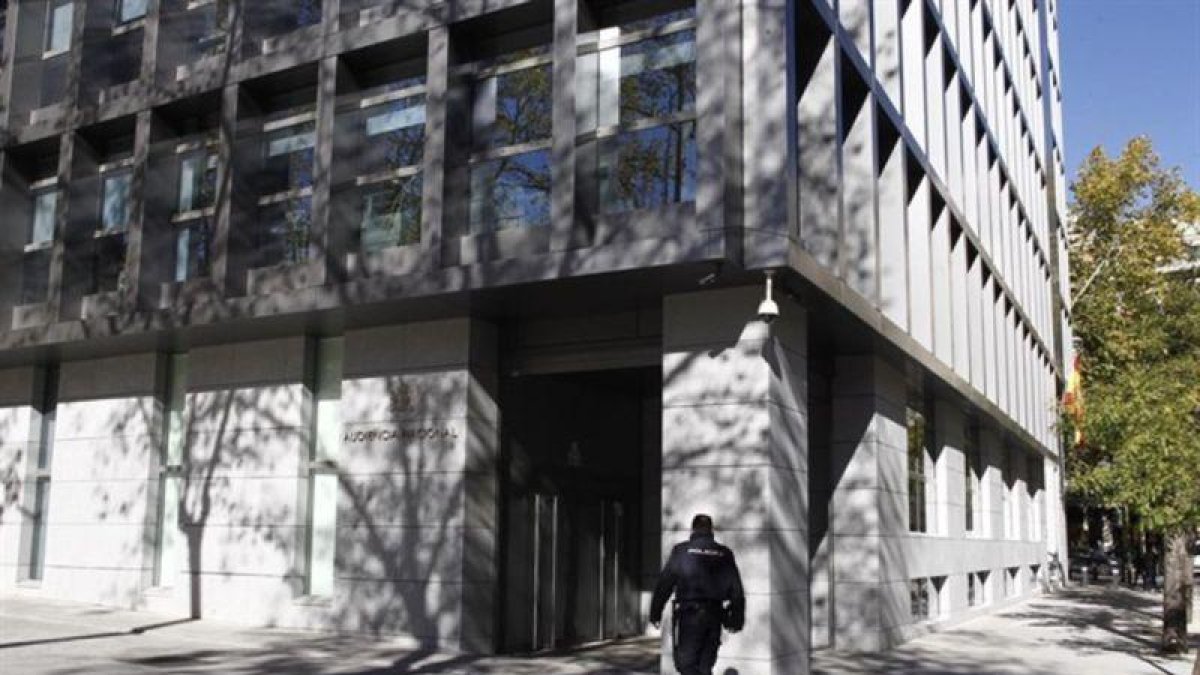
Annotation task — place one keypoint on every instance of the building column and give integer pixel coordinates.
(869, 472)
(992, 497)
(735, 446)
(419, 501)
(562, 184)
(19, 433)
(951, 475)
(1055, 515)
(433, 166)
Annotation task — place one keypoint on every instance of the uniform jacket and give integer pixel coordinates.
(701, 570)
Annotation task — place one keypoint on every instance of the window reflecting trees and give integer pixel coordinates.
(38, 210)
(391, 214)
(193, 218)
(282, 232)
(511, 131)
(130, 10)
(391, 126)
(917, 476)
(637, 94)
(283, 235)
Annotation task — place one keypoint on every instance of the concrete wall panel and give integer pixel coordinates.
(745, 462)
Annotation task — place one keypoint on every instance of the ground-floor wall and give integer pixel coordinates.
(931, 515)
(239, 483)
(355, 482)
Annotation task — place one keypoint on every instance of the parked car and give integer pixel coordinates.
(1100, 566)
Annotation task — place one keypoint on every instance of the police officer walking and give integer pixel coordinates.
(708, 595)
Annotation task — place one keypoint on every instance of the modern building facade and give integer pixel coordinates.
(439, 319)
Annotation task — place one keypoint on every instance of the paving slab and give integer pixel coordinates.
(50, 637)
(1100, 631)
(1079, 631)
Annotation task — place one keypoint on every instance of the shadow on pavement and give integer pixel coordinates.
(1116, 611)
(311, 656)
(137, 630)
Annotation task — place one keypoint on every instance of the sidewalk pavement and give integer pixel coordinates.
(1080, 631)
(1099, 631)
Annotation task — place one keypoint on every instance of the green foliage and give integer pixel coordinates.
(1137, 329)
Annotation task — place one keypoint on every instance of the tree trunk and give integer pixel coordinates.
(1177, 566)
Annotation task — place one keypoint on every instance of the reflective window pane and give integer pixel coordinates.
(108, 263)
(205, 31)
(289, 159)
(283, 233)
(292, 140)
(307, 12)
(193, 246)
(658, 76)
(513, 108)
(45, 208)
(395, 135)
(58, 32)
(37, 543)
(35, 277)
(391, 215)
(115, 211)
(511, 192)
(131, 9)
(649, 168)
(916, 470)
(396, 115)
(197, 181)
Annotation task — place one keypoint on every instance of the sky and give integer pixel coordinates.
(1131, 67)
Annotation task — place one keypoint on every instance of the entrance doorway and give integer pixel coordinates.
(581, 457)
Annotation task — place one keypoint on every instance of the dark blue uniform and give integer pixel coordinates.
(708, 594)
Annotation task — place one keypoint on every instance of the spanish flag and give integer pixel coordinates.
(1073, 399)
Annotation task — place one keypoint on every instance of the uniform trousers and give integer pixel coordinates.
(697, 637)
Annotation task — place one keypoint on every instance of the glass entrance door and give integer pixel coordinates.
(545, 572)
(572, 537)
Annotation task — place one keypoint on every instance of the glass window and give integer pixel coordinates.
(193, 247)
(116, 209)
(918, 590)
(37, 542)
(396, 115)
(307, 12)
(58, 28)
(510, 183)
(515, 107)
(206, 30)
(658, 77)
(108, 263)
(35, 277)
(391, 215)
(45, 209)
(1009, 496)
(289, 158)
(395, 135)
(197, 181)
(290, 140)
(511, 192)
(971, 477)
(283, 233)
(640, 99)
(128, 10)
(649, 168)
(916, 471)
(323, 480)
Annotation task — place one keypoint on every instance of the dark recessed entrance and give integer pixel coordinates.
(581, 462)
